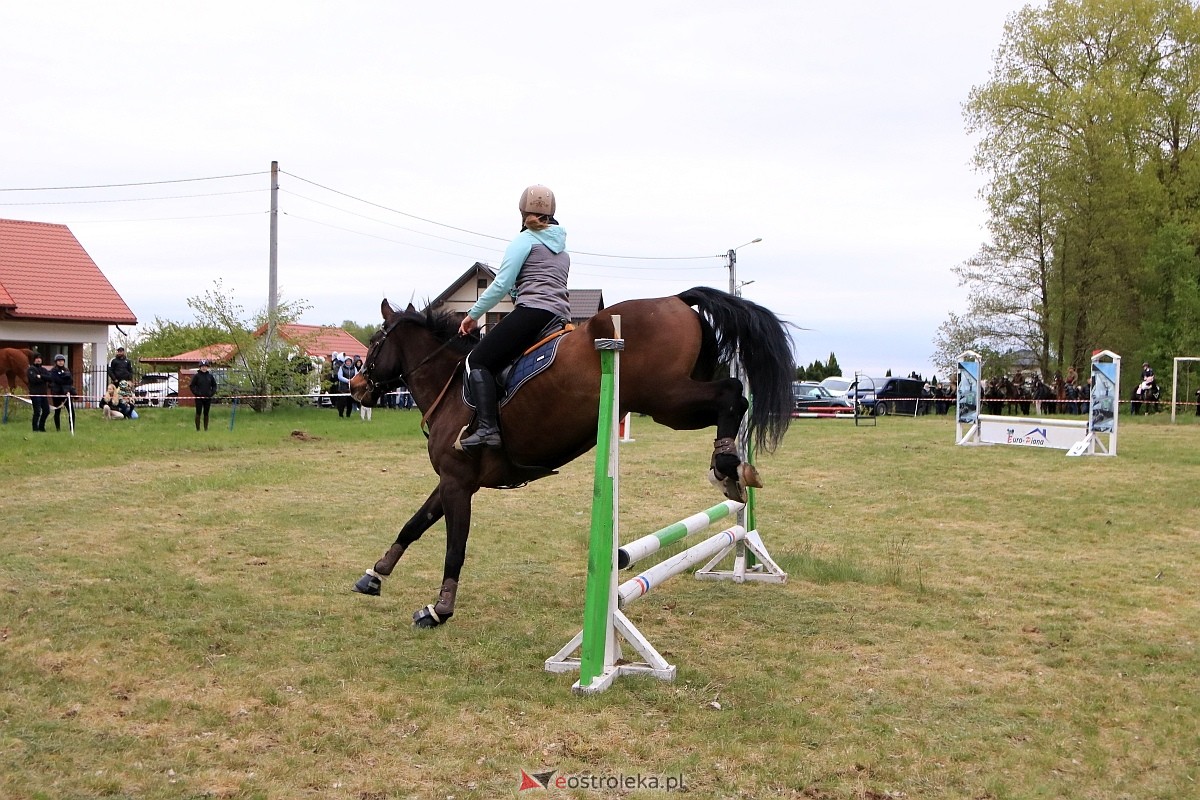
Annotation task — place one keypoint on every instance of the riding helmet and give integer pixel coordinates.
(60, 357)
(537, 199)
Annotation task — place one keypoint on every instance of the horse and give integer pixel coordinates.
(1043, 396)
(14, 362)
(671, 370)
(1149, 393)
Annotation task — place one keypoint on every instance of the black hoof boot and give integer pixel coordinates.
(437, 613)
(429, 617)
(368, 584)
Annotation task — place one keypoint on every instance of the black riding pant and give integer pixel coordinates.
(41, 410)
(203, 404)
(508, 338)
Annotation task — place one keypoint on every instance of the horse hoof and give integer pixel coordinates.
(749, 476)
(731, 488)
(427, 617)
(368, 584)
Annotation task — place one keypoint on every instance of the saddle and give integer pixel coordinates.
(536, 359)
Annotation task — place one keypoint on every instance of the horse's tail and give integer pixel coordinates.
(753, 334)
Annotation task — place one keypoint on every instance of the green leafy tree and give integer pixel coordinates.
(361, 332)
(166, 338)
(261, 368)
(1087, 131)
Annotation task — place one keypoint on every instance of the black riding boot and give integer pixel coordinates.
(487, 430)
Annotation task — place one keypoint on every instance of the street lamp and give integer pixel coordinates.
(734, 288)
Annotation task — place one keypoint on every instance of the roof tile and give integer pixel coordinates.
(45, 274)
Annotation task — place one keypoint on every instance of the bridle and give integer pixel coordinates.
(382, 387)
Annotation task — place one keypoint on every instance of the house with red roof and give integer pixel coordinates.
(54, 298)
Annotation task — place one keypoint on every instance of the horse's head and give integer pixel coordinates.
(405, 343)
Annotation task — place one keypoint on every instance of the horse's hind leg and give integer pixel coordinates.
(430, 512)
(728, 470)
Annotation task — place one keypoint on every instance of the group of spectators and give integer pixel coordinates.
(52, 388)
(345, 367)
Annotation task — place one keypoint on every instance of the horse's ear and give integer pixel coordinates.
(411, 309)
(385, 309)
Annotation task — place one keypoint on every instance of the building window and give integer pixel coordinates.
(481, 283)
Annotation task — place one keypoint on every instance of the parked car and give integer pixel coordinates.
(883, 396)
(837, 385)
(160, 389)
(814, 398)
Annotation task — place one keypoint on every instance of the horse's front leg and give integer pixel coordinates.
(430, 512)
(456, 500)
(727, 470)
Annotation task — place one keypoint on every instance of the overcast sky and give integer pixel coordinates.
(405, 132)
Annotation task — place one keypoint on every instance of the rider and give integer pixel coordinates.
(534, 271)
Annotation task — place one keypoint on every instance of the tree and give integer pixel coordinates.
(1086, 132)
(165, 338)
(361, 332)
(261, 369)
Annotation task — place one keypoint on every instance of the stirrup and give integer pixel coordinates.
(487, 437)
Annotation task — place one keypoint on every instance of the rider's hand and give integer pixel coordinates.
(467, 325)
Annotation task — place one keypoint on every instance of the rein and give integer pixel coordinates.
(402, 375)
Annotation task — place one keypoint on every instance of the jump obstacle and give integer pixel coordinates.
(1095, 436)
(604, 623)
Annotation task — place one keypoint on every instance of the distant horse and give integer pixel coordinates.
(14, 362)
(1043, 396)
(1149, 394)
(1060, 394)
(669, 371)
(993, 396)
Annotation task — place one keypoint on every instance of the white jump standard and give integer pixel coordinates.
(604, 623)
(1097, 435)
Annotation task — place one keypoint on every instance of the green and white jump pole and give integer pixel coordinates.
(600, 659)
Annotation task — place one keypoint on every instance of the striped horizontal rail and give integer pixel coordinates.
(638, 586)
(653, 542)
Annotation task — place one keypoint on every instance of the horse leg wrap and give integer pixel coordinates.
(436, 613)
(728, 473)
(385, 565)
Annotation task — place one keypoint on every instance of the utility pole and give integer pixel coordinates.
(734, 288)
(273, 287)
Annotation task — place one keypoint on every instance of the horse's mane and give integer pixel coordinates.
(443, 325)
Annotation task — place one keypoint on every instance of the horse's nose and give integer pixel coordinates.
(358, 388)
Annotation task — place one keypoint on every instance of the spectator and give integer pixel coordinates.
(345, 404)
(109, 402)
(119, 369)
(203, 386)
(125, 404)
(61, 389)
(37, 376)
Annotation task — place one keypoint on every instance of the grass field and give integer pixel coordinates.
(992, 622)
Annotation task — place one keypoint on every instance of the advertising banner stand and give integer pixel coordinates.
(1097, 435)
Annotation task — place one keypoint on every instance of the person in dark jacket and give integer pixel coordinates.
(203, 386)
(37, 376)
(119, 369)
(345, 403)
(61, 386)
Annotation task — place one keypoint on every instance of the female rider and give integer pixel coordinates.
(534, 271)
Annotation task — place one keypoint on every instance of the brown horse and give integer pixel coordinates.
(14, 362)
(669, 371)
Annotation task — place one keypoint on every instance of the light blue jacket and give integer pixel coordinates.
(533, 271)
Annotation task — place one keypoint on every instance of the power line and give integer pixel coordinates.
(123, 185)
(128, 199)
(485, 235)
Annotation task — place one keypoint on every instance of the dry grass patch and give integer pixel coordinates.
(176, 620)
